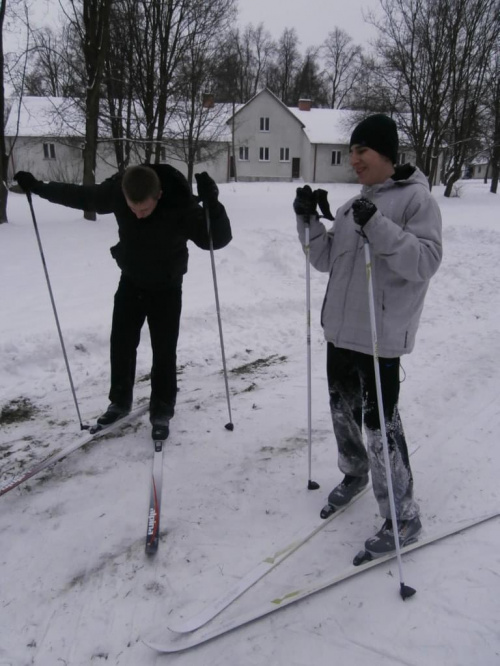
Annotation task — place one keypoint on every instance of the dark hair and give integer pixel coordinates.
(140, 183)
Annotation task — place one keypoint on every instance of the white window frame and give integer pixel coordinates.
(284, 154)
(264, 154)
(402, 158)
(264, 123)
(243, 154)
(49, 151)
(336, 157)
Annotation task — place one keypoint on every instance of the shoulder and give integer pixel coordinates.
(175, 186)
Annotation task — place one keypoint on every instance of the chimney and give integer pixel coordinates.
(208, 101)
(305, 104)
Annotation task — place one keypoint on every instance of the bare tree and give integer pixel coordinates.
(56, 66)
(491, 116)
(433, 55)
(90, 20)
(243, 63)
(476, 28)
(287, 64)
(3, 152)
(196, 126)
(343, 66)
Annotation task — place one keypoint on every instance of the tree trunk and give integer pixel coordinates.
(495, 173)
(90, 148)
(4, 160)
(450, 182)
(96, 37)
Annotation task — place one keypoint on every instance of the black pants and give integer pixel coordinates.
(353, 400)
(162, 309)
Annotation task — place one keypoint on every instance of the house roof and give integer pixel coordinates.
(61, 117)
(45, 116)
(330, 126)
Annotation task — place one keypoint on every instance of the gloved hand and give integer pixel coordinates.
(208, 191)
(27, 181)
(362, 211)
(324, 206)
(305, 201)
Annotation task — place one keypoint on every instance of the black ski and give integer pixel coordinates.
(153, 529)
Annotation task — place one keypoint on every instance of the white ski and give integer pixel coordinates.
(168, 641)
(254, 575)
(153, 529)
(65, 451)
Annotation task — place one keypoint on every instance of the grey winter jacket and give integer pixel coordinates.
(405, 245)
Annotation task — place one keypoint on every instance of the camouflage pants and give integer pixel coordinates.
(353, 402)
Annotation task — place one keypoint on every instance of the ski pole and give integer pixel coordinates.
(230, 425)
(404, 590)
(311, 485)
(28, 196)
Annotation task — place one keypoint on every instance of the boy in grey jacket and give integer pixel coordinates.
(402, 223)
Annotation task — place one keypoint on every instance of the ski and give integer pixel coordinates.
(65, 451)
(255, 574)
(168, 641)
(153, 529)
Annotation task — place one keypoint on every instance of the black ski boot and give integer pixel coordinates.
(344, 493)
(113, 413)
(160, 414)
(383, 542)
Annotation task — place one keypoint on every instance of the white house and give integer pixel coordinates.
(272, 142)
(45, 135)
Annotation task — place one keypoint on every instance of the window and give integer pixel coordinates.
(264, 154)
(49, 151)
(264, 124)
(163, 154)
(243, 153)
(336, 157)
(401, 158)
(284, 154)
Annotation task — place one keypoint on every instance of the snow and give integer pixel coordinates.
(77, 587)
(331, 126)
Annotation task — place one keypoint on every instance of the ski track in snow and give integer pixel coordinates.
(77, 588)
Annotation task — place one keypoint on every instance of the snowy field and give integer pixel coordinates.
(76, 586)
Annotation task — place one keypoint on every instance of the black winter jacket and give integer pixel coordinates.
(152, 251)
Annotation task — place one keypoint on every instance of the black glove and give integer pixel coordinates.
(362, 211)
(27, 181)
(208, 191)
(324, 206)
(305, 201)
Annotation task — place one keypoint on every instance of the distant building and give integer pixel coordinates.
(272, 142)
(477, 168)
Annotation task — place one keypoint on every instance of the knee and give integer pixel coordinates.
(335, 398)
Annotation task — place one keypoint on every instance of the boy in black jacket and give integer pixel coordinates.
(156, 215)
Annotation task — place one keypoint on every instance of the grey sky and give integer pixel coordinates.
(312, 19)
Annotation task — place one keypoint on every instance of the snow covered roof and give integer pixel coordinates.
(330, 126)
(45, 116)
(63, 117)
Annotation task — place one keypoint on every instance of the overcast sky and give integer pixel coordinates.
(312, 19)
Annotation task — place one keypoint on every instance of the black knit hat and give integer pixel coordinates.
(378, 132)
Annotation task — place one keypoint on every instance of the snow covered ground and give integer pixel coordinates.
(76, 586)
